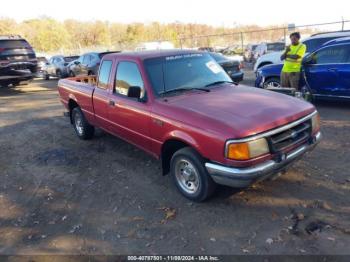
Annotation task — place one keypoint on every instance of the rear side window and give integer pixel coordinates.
(104, 73)
(128, 74)
(70, 58)
(347, 59)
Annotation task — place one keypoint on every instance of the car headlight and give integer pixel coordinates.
(247, 150)
(315, 122)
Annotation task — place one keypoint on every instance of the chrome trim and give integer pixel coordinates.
(242, 177)
(269, 133)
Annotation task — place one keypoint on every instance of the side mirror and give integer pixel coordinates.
(76, 62)
(134, 92)
(47, 63)
(308, 60)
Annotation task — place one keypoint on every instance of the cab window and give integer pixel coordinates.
(128, 75)
(103, 76)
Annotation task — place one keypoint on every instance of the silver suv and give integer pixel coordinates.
(58, 66)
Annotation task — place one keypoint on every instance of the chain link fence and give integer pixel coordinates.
(234, 40)
(238, 40)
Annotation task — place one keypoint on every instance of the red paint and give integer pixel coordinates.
(200, 119)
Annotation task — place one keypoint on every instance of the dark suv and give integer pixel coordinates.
(87, 64)
(17, 60)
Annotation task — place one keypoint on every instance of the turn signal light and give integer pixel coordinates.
(247, 150)
(239, 151)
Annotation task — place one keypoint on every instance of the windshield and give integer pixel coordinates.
(185, 71)
(218, 57)
(316, 43)
(275, 46)
(42, 59)
(14, 44)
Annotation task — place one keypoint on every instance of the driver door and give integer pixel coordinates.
(129, 117)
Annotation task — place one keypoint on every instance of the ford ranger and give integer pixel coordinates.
(182, 108)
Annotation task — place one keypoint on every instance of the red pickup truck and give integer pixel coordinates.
(182, 108)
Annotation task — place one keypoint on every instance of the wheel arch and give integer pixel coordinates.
(72, 103)
(173, 144)
(264, 64)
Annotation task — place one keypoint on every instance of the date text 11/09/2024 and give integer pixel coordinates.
(173, 258)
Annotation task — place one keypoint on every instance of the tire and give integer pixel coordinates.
(90, 73)
(4, 84)
(272, 82)
(190, 175)
(81, 126)
(46, 76)
(15, 83)
(71, 74)
(59, 74)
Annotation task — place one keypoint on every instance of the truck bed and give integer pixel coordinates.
(80, 89)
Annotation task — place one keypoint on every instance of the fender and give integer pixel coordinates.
(183, 137)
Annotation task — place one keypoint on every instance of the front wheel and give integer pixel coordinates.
(190, 176)
(81, 126)
(273, 82)
(59, 74)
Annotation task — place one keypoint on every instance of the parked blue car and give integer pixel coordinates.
(326, 71)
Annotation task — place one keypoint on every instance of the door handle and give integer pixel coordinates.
(111, 103)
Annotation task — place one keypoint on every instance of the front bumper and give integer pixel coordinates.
(243, 177)
(259, 81)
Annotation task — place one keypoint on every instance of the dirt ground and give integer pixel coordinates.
(59, 194)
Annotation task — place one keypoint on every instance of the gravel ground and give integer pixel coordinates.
(61, 195)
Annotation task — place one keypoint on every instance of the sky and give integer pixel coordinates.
(226, 13)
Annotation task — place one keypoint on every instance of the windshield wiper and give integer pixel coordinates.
(184, 89)
(218, 83)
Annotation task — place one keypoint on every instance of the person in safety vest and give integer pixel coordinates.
(292, 57)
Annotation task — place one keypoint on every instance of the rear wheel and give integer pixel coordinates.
(81, 126)
(190, 176)
(273, 82)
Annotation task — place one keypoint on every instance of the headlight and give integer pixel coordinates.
(247, 150)
(315, 122)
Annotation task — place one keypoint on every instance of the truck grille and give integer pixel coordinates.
(292, 136)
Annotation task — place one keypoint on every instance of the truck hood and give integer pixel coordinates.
(242, 110)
